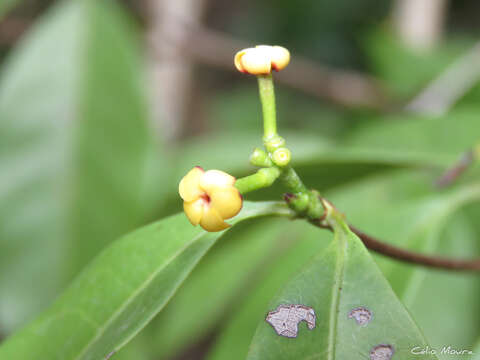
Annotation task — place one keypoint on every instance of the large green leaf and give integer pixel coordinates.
(435, 139)
(121, 290)
(335, 285)
(238, 328)
(202, 303)
(405, 210)
(75, 139)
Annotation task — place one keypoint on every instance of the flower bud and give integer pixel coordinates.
(261, 59)
(260, 158)
(209, 197)
(281, 157)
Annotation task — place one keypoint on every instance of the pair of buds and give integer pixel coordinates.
(210, 197)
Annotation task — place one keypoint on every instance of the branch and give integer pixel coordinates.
(419, 23)
(346, 88)
(457, 169)
(444, 91)
(397, 253)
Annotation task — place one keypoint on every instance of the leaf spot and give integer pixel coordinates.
(361, 315)
(382, 352)
(285, 319)
(109, 355)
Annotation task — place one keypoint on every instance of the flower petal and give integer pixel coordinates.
(189, 187)
(238, 60)
(212, 221)
(280, 57)
(256, 61)
(215, 179)
(226, 201)
(194, 210)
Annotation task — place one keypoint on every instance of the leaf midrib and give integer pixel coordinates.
(129, 300)
(336, 293)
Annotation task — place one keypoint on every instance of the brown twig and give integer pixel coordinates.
(342, 87)
(214, 48)
(397, 253)
(456, 170)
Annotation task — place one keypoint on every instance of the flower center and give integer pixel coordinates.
(205, 198)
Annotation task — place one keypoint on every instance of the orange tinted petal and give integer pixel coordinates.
(238, 60)
(189, 187)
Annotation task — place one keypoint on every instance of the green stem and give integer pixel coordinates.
(303, 201)
(292, 181)
(261, 179)
(267, 97)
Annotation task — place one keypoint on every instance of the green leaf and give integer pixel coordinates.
(75, 139)
(6, 5)
(334, 284)
(121, 290)
(404, 70)
(445, 304)
(237, 329)
(201, 303)
(476, 352)
(405, 210)
(440, 140)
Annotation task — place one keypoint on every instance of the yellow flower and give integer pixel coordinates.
(261, 59)
(209, 197)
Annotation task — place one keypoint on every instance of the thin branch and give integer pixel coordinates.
(172, 72)
(347, 88)
(456, 170)
(214, 48)
(11, 29)
(397, 253)
(419, 23)
(453, 83)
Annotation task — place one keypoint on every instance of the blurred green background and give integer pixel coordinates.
(105, 105)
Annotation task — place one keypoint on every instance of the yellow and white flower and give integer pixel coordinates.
(209, 197)
(261, 59)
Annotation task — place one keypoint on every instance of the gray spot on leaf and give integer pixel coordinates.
(382, 352)
(285, 319)
(361, 315)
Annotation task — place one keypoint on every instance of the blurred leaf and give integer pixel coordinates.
(476, 352)
(72, 157)
(237, 331)
(334, 284)
(201, 303)
(435, 139)
(108, 303)
(6, 5)
(406, 71)
(445, 304)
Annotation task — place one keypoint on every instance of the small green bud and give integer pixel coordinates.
(281, 157)
(273, 143)
(260, 158)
